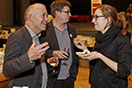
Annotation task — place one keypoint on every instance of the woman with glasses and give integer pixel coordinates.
(111, 56)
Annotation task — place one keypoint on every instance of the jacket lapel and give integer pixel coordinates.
(27, 36)
(53, 36)
(70, 33)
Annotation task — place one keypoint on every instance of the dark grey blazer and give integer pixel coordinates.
(51, 38)
(16, 61)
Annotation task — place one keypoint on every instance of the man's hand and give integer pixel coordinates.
(60, 54)
(35, 52)
(53, 61)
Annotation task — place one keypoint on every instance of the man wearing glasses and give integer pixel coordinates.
(60, 37)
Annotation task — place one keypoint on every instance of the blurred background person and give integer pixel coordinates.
(60, 35)
(24, 53)
(125, 25)
(112, 51)
(129, 12)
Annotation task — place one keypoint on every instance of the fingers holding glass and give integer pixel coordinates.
(67, 54)
(53, 61)
(60, 54)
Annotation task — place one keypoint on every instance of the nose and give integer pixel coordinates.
(69, 13)
(46, 19)
(93, 20)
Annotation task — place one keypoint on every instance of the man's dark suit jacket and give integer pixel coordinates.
(16, 62)
(51, 38)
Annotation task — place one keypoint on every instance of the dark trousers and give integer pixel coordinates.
(68, 83)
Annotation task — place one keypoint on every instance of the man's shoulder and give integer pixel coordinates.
(19, 33)
(70, 25)
(50, 24)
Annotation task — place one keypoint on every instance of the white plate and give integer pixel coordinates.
(84, 52)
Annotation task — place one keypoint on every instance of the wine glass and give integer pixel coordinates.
(65, 60)
(53, 62)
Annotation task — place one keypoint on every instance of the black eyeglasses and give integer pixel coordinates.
(66, 11)
(95, 16)
(44, 15)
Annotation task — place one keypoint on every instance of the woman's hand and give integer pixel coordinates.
(90, 56)
(96, 55)
(79, 44)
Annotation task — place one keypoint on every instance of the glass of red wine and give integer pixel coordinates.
(65, 60)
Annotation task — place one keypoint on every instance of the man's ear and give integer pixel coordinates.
(57, 12)
(30, 17)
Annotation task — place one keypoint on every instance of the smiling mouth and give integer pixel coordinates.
(43, 23)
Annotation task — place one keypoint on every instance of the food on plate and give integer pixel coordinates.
(84, 52)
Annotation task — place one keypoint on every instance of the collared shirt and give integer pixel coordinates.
(34, 36)
(64, 42)
(43, 64)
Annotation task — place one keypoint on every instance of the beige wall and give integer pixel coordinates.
(24, 4)
(6, 12)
